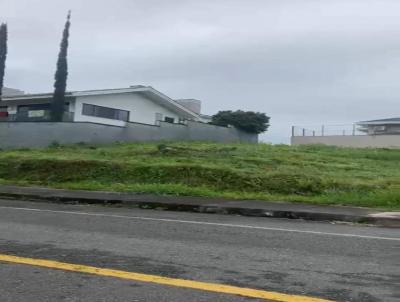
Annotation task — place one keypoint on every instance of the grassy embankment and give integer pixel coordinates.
(312, 174)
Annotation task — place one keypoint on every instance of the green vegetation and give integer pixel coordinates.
(249, 121)
(312, 174)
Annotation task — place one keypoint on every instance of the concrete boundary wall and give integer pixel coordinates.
(355, 141)
(42, 134)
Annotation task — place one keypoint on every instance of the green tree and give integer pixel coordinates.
(3, 54)
(61, 75)
(248, 121)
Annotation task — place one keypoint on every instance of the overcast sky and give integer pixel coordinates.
(299, 61)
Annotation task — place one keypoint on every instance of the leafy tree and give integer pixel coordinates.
(61, 75)
(3, 54)
(249, 121)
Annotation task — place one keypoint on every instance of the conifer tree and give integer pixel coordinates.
(3, 54)
(61, 75)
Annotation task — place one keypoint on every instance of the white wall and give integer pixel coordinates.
(141, 109)
(356, 141)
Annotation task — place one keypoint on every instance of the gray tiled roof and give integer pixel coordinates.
(395, 120)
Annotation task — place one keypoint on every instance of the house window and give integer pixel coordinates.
(168, 119)
(105, 112)
(26, 108)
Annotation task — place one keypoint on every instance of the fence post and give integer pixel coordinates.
(344, 132)
(292, 130)
(354, 129)
(304, 132)
(322, 130)
(313, 133)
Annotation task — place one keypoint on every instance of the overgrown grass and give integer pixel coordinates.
(312, 174)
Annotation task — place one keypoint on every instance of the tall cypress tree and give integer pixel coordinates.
(61, 75)
(3, 54)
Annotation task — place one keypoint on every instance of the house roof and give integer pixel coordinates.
(148, 91)
(6, 91)
(395, 120)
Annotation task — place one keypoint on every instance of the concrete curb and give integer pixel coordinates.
(207, 205)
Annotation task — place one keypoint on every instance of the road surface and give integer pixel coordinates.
(327, 261)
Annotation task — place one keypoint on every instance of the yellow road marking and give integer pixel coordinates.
(211, 287)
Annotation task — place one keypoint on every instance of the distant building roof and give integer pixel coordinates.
(11, 92)
(191, 104)
(395, 120)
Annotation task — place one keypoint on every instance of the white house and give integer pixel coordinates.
(133, 114)
(135, 104)
(389, 126)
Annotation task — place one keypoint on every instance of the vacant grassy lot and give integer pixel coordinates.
(313, 174)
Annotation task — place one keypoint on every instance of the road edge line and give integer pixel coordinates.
(140, 277)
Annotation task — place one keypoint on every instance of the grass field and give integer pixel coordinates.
(312, 174)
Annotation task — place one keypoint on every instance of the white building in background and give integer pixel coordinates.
(11, 92)
(389, 126)
(382, 133)
(135, 104)
(133, 114)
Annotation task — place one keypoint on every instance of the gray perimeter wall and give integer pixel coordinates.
(42, 134)
(356, 141)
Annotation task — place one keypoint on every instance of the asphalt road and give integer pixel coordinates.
(337, 262)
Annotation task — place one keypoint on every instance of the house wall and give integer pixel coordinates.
(387, 129)
(142, 109)
(356, 141)
(31, 134)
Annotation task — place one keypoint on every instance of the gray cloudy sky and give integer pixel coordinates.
(300, 61)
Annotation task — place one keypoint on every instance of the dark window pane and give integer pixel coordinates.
(88, 109)
(169, 119)
(105, 112)
(23, 109)
(123, 115)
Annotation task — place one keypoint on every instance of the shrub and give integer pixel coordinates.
(249, 121)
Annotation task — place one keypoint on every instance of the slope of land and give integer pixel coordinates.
(312, 174)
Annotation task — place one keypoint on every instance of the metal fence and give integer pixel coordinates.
(328, 130)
